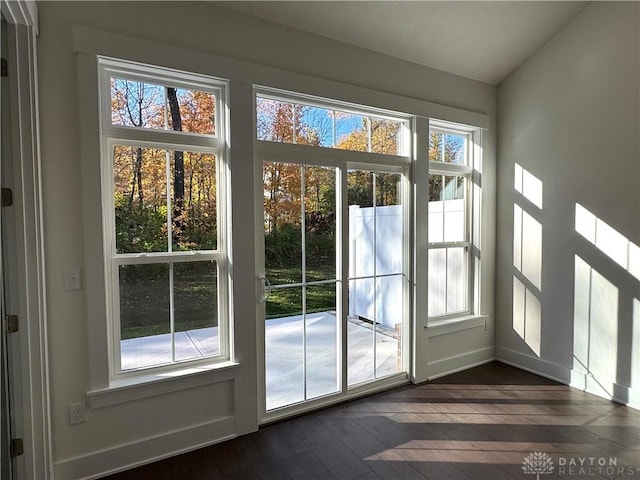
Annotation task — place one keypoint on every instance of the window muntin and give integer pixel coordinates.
(165, 228)
(449, 232)
(308, 124)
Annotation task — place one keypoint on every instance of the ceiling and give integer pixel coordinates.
(481, 40)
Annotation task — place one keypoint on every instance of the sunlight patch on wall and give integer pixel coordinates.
(527, 316)
(527, 260)
(477, 201)
(595, 326)
(635, 346)
(527, 246)
(608, 240)
(528, 185)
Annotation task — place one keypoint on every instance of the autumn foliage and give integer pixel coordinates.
(157, 192)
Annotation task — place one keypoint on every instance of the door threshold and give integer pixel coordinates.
(354, 392)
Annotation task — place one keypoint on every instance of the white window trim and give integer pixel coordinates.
(113, 386)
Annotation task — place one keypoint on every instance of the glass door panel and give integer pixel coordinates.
(376, 275)
(302, 325)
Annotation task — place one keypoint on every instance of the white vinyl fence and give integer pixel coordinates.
(376, 253)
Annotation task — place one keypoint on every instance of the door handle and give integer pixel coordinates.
(266, 289)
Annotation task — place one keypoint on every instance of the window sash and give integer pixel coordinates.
(108, 196)
(116, 326)
(161, 77)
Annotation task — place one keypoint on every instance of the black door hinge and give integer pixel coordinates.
(4, 68)
(7, 197)
(17, 447)
(13, 325)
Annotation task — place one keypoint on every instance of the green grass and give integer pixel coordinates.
(287, 301)
(144, 297)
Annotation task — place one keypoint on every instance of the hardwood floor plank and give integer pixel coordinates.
(440, 470)
(369, 448)
(332, 452)
(307, 466)
(385, 430)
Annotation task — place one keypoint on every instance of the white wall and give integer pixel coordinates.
(569, 117)
(142, 430)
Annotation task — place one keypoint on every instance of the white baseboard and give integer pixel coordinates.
(457, 363)
(126, 456)
(536, 365)
(578, 379)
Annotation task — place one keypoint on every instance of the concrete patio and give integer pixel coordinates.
(285, 354)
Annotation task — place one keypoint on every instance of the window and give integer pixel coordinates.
(164, 204)
(322, 125)
(450, 221)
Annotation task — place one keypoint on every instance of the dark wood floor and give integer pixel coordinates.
(475, 425)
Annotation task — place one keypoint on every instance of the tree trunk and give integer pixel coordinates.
(137, 175)
(178, 167)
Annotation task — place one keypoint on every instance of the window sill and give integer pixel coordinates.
(444, 326)
(158, 383)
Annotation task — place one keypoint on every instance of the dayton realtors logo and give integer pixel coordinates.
(537, 463)
(594, 466)
(540, 463)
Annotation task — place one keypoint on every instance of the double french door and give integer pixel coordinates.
(335, 281)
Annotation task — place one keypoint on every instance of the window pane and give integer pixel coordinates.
(448, 280)
(191, 111)
(447, 208)
(448, 148)
(361, 223)
(145, 105)
(314, 126)
(284, 348)
(194, 215)
(137, 104)
(145, 325)
(282, 222)
(437, 281)
(456, 280)
(454, 209)
(274, 120)
(140, 199)
(389, 314)
(385, 136)
(351, 132)
(436, 208)
(321, 340)
(320, 223)
(360, 331)
(389, 226)
(195, 309)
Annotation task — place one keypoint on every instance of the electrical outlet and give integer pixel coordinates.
(77, 413)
